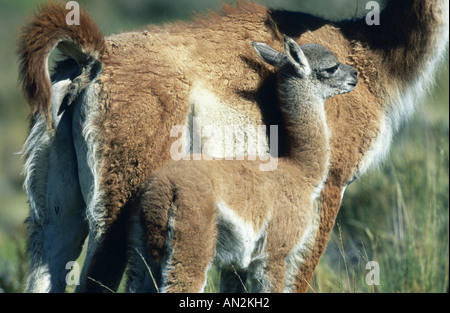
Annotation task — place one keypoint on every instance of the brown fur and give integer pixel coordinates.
(164, 79)
(44, 31)
(279, 203)
(389, 60)
(353, 118)
(147, 78)
(192, 200)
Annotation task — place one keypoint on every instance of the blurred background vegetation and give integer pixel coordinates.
(396, 215)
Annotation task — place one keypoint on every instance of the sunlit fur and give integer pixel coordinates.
(231, 213)
(138, 85)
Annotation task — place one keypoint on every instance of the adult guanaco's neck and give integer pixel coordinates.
(409, 33)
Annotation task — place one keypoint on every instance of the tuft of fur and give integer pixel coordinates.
(45, 30)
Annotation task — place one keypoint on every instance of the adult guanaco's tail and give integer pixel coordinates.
(47, 29)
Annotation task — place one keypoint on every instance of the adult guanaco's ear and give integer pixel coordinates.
(269, 55)
(296, 57)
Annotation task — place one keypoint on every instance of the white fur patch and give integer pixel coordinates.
(56, 226)
(35, 152)
(217, 117)
(402, 104)
(42, 281)
(238, 242)
(86, 141)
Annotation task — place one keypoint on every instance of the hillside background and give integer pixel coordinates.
(396, 215)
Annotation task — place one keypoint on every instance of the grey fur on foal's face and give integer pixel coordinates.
(310, 66)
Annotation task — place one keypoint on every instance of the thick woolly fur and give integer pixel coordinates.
(143, 83)
(44, 32)
(196, 213)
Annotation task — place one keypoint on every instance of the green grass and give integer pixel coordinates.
(397, 215)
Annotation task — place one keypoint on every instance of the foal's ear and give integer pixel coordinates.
(269, 55)
(296, 57)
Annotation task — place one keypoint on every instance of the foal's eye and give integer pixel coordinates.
(332, 70)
